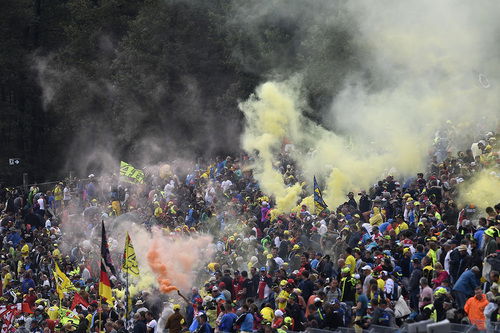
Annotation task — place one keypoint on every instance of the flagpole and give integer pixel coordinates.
(99, 310)
(126, 302)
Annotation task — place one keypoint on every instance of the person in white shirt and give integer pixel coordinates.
(151, 322)
(48, 223)
(226, 185)
(66, 195)
(41, 203)
(85, 273)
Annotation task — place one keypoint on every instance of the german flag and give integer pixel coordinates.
(105, 285)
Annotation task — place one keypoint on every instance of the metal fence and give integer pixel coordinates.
(451, 328)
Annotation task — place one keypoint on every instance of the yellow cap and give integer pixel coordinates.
(177, 307)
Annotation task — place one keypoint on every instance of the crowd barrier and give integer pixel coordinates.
(422, 327)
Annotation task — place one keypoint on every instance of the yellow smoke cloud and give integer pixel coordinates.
(271, 116)
(423, 74)
(483, 190)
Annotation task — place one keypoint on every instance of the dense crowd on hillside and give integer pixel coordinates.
(401, 251)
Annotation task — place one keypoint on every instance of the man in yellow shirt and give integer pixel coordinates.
(7, 277)
(282, 298)
(58, 196)
(267, 313)
(25, 249)
(350, 260)
(53, 311)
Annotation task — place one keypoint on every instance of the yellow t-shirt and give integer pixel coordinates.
(283, 294)
(53, 312)
(58, 193)
(158, 211)
(25, 250)
(56, 253)
(381, 284)
(433, 255)
(267, 313)
(6, 280)
(351, 262)
(211, 266)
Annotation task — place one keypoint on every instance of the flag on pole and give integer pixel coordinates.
(105, 285)
(79, 300)
(63, 283)
(319, 203)
(129, 259)
(105, 255)
(130, 174)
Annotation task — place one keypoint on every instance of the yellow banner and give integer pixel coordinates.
(130, 264)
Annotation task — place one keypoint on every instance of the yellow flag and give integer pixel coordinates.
(129, 259)
(130, 174)
(63, 284)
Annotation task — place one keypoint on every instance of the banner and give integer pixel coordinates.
(68, 317)
(63, 284)
(8, 315)
(130, 174)
(79, 300)
(129, 259)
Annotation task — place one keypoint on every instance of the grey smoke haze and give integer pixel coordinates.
(374, 72)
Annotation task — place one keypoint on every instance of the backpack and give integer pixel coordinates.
(239, 321)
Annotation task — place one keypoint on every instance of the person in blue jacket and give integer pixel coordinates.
(465, 285)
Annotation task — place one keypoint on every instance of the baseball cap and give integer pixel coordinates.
(366, 267)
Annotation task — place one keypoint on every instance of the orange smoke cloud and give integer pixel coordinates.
(160, 269)
(175, 261)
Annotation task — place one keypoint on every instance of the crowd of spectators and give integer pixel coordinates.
(398, 252)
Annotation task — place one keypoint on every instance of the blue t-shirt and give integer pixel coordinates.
(247, 324)
(314, 263)
(227, 321)
(383, 227)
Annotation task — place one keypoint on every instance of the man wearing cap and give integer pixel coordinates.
(347, 286)
(367, 273)
(490, 244)
(459, 261)
(265, 282)
(465, 285)
(203, 325)
(223, 290)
